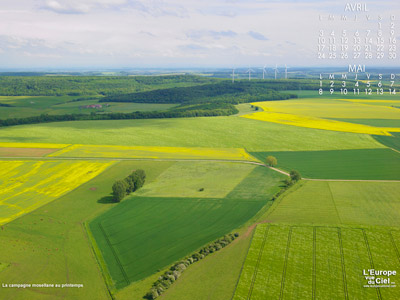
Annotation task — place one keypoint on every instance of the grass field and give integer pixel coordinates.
(215, 132)
(350, 203)
(186, 179)
(27, 185)
(367, 164)
(152, 152)
(28, 106)
(50, 244)
(177, 225)
(373, 122)
(316, 263)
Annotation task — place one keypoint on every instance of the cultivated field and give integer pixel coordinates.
(328, 202)
(319, 113)
(181, 224)
(27, 185)
(152, 152)
(215, 132)
(366, 164)
(51, 245)
(294, 262)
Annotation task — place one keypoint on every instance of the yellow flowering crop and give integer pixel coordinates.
(317, 123)
(27, 185)
(33, 145)
(153, 152)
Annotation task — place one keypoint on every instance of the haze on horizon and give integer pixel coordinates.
(164, 33)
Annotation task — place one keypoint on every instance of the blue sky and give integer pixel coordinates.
(164, 33)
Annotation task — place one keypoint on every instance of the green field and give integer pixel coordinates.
(373, 122)
(366, 164)
(390, 141)
(316, 263)
(328, 202)
(214, 132)
(186, 179)
(178, 225)
(28, 106)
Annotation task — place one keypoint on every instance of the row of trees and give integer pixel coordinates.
(130, 184)
(226, 110)
(175, 271)
(223, 91)
(91, 85)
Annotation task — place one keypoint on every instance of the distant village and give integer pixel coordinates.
(96, 106)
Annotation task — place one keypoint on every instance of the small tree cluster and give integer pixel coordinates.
(124, 187)
(294, 177)
(271, 161)
(176, 270)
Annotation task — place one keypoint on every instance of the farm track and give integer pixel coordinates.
(193, 160)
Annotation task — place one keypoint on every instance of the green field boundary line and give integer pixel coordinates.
(371, 261)
(258, 263)
(394, 245)
(285, 264)
(314, 273)
(346, 295)
(100, 260)
(114, 254)
(334, 203)
(241, 269)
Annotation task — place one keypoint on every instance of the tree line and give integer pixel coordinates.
(176, 270)
(224, 110)
(215, 92)
(130, 184)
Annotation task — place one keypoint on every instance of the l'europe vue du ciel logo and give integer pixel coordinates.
(379, 278)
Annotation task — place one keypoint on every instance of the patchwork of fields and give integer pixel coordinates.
(293, 262)
(178, 225)
(27, 185)
(312, 242)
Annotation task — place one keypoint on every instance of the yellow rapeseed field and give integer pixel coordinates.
(33, 145)
(314, 113)
(153, 152)
(317, 123)
(27, 185)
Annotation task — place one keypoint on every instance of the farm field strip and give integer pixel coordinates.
(362, 164)
(153, 152)
(312, 262)
(27, 185)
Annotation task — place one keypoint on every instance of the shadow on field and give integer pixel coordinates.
(106, 200)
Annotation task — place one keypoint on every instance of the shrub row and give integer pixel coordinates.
(294, 177)
(175, 271)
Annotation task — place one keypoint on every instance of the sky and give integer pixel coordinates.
(169, 33)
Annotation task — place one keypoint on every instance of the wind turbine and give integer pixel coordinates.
(264, 69)
(233, 75)
(276, 70)
(286, 67)
(249, 71)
